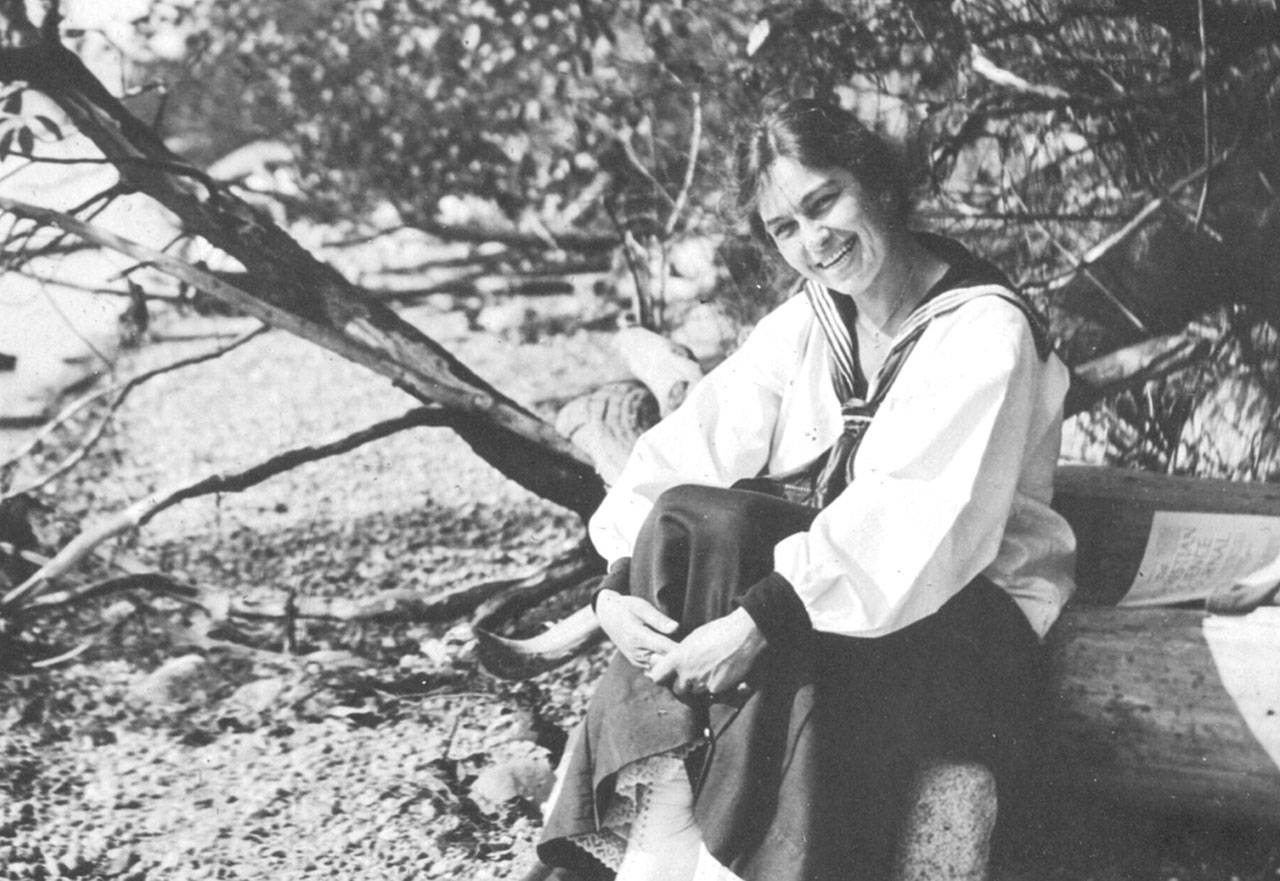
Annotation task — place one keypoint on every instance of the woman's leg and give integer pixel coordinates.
(696, 553)
(698, 549)
(703, 546)
(959, 686)
(807, 777)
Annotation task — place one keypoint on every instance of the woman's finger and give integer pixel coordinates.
(654, 642)
(650, 615)
(663, 668)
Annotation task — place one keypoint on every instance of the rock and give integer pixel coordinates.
(529, 777)
(260, 695)
(118, 612)
(694, 258)
(170, 682)
(120, 862)
(518, 725)
(947, 833)
(709, 331)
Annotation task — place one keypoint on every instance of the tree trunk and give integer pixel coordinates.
(668, 369)
(1169, 707)
(1111, 511)
(284, 275)
(606, 422)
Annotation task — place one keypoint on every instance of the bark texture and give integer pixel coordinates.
(288, 279)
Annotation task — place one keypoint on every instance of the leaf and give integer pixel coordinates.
(6, 141)
(13, 104)
(756, 38)
(51, 126)
(26, 140)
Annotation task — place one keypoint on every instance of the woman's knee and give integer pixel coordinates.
(719, 511)
(696, 508)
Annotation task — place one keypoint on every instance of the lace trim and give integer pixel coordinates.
(609, 844)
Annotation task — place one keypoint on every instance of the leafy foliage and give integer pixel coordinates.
(1038, 128)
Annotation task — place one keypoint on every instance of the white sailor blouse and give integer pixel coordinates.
(953, 477)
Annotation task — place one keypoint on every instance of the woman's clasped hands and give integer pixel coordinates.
(636, 627)
(714, 659)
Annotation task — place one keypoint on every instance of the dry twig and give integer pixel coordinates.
(141, 511)
(1204, 107)
(1083, 267)
(1131, 367)
(121, 391)
(691, 163)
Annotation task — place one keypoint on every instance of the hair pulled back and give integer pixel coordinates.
(817, 135)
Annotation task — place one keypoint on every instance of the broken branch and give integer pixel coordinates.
(143, 510)
(1130, 367)
(691, 163)
(121, 391)
(391, 606)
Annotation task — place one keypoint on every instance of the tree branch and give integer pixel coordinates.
(384, 607)
(691, 164)
(179, 168)
(143, 510)
(986, 68)
(121, 391)
(474, 405)
(1131, 367)
(569, 241)
(90, 289)
(1204, 109)
(1083, 267)
(293, 290)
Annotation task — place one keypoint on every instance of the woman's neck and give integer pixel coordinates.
(901, 285)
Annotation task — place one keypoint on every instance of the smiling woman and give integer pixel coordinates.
(827, 227)
(836, 560)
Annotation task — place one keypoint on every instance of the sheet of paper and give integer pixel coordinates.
(1191, 554)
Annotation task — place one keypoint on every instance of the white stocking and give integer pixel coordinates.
(664, 841)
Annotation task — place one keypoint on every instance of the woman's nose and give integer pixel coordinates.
(816, 236)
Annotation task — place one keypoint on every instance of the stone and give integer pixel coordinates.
(169, 682)
(947, 833)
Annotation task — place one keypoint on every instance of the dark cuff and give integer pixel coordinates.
(777, 609)
(618, 578)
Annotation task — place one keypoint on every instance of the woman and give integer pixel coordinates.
(791, 646)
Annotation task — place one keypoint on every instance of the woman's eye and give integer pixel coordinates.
(824, 202)
(783, 230)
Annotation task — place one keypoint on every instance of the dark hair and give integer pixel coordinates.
(818, 135)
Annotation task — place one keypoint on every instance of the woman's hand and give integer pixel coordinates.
(714, 659)
(635, 626)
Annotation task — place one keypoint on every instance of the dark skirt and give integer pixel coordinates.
(805, 778)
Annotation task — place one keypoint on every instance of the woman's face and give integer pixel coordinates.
(823, 226)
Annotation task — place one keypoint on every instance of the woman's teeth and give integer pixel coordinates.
(839, 255)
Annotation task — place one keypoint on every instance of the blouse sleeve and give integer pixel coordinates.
(722, 431)
(935, 479)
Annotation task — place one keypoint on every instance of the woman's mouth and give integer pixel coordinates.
(841, 254)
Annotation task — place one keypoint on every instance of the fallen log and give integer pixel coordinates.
(1130, 368)
(1166, 706)
(1113, 511)
(606, 422)
(668, 369)
(1169, 708)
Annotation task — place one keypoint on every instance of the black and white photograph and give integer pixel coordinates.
(652, 440)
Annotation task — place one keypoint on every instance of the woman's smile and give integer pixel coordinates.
(844, 251)
(824, 226)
